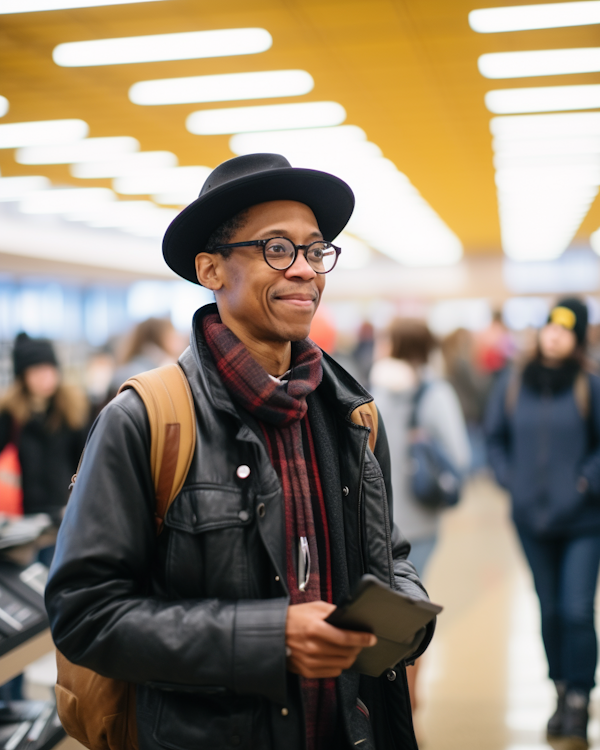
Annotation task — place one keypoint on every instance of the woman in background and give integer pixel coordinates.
(395, 381)
(471, 385)
(152, 343)
(48, 422)
(543, 433)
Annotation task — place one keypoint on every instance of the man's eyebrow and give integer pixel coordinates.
(283, 233)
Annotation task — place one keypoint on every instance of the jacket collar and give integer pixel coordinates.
(208, 375)
(339, 388)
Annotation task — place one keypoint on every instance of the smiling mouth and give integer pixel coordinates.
(297, 298)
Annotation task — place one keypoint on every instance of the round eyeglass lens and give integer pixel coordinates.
(279, 253)
(321, 256)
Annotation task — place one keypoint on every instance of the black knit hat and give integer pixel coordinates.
(571, 313)
(28, 352)
(246, 181)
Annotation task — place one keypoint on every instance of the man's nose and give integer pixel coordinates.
(300, 268)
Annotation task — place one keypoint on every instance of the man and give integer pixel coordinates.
(220, 619)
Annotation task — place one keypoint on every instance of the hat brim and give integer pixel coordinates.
(330, 199)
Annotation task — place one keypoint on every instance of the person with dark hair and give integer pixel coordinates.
(407, 392)
(151, 343)
(47, 420)
(395, 382)
(472, 386)
(220, 621)
(543, 438)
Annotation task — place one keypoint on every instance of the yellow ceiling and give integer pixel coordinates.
(405, 71)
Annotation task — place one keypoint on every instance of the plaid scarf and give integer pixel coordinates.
(281, 411)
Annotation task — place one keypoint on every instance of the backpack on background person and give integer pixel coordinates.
(435, 481)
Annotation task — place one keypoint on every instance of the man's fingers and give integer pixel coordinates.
(316, 648)
(347, 638)
(325, 649)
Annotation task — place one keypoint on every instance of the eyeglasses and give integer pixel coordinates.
(281, 253)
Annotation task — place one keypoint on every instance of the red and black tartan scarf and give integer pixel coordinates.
(281, 411)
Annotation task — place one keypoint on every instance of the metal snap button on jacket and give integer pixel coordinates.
(261, 510)
(345, 491)
(243, 515)
(243, 471)
(391, 675)
(284, 712)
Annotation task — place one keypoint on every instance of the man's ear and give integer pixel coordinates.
(208, 267)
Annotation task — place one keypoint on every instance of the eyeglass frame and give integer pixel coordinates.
(304, 248)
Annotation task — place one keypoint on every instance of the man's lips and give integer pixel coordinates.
(297, 298)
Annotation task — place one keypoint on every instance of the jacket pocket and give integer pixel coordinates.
(207, 549)
(185, 721)
(376, 524)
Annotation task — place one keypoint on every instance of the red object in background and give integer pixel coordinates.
(491, 359)
(11, 494)
(322, 330)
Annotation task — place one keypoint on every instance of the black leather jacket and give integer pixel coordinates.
(196, 616)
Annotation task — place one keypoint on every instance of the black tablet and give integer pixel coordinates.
(396, 620)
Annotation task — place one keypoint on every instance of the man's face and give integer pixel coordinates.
(271, 305)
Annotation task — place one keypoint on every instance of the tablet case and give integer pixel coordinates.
(396, 620)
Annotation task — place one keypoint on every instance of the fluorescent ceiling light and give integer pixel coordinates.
(14, 188)
(126, 165)
(163, 180)
(524, 178)
(31, 6)
(333, 148)
(16, 134)
(143, 213)
(176, 198)
(98, 211)
(544, 16)
(142, 218)
(542, 208)
(391, 216)
(268, 117)
(595, 241)
(159, 47)
(222, 88)
(547, 62)
(88, 149)
(543, 99)
(543, 126)
(64, 200)
(278, 141)
(543, 236)
(552, 161)
(530, 147)
(548, 173)
(3, 106)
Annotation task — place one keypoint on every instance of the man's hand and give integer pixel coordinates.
(317, 648)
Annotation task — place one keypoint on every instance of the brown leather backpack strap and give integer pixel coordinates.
(169, 403)
(366, 415)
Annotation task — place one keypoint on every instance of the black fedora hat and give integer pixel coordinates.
(247, 181)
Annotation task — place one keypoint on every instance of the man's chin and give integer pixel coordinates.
(293, 333)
